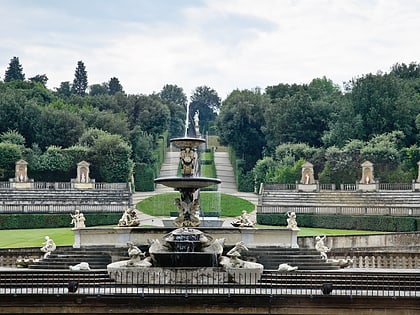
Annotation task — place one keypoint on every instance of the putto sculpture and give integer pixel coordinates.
(78, 219)
(321, 247)
(49, 247)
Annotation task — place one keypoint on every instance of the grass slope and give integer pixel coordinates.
(163, 204)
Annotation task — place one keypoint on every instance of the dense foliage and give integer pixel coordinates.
(373, 117)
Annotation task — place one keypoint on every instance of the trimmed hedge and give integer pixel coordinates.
(39, 221)
(144, 177)
(346, 222)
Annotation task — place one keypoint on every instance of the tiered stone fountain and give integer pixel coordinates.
(186, 246)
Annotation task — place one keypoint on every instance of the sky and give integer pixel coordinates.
(222, 44)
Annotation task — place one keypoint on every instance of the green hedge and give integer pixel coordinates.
(144, 177)
(346, 222)
(38, 221)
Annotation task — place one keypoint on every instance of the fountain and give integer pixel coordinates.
(187, 246)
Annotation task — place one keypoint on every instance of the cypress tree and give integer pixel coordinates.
(80, 82)
(14, 71)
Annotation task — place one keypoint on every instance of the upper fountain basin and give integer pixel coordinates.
(187, 142)
(187, 182)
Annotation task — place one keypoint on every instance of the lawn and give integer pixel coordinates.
(163, 204)
(65, 236)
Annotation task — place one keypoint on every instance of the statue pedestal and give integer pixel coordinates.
(84, 185)
(307, 187)
(21, 185)
(367, 187)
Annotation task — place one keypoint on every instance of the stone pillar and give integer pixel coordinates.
(367, 182)
(418, 176)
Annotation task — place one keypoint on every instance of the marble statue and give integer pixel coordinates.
(81, 266)
(196, 118)
(291, 221)
(49, 247)
(187, 160)
(243, 220)
(137, 257)
(321, 247)
(187, 213)
(342, 263)
(238, 269)
(78, 219)
(286, 268)
(129, 218)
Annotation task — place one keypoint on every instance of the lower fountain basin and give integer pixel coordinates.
(185, 259)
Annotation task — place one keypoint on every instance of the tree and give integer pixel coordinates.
(176, 100)
(206, 101)
(150, 113)
(412, 71)
(174, 94)
(64, 89)
(14, 71)
(142, 145)
(80, 82)
(58, 127)
(239, 124)
(114, 86)
(12, 136)
(98, 89)
(40, 78)
(9, 154)
(374, 98)
(294, 119)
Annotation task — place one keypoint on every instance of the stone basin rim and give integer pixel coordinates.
(187, 182)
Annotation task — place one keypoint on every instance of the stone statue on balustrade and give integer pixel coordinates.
(49, 247)
(78, 219)
(129, 218)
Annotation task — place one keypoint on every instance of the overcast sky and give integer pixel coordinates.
(223, 44)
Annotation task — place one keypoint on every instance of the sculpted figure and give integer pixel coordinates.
(187, 160)
(186, 217)
(320, 246)
(78, 219)
(243, 220)
(137, 257)
(129, 218)
(291, 221)
(49, 247)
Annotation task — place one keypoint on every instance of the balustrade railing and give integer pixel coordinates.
(379, 210)
(67, 186)
(342, 187)
(197, 283)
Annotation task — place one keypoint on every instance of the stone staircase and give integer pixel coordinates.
(272, 256)
(64, 258)
(64, 200)
(381, 202)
